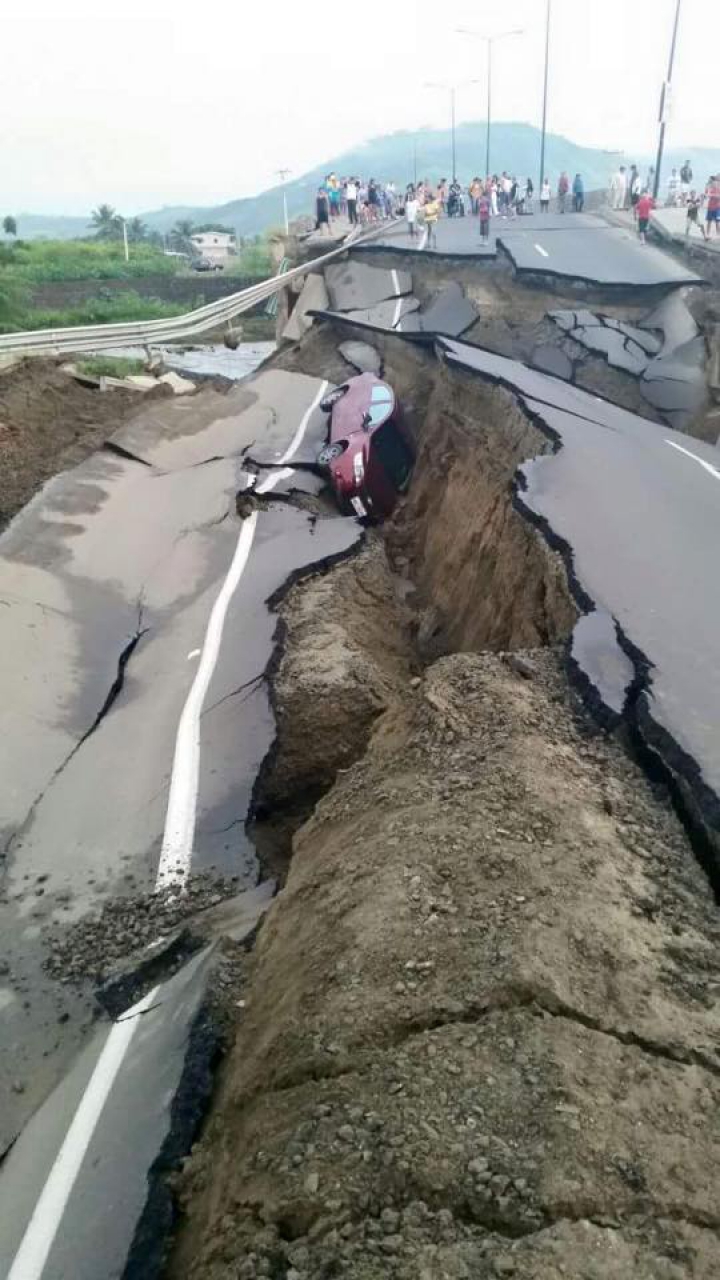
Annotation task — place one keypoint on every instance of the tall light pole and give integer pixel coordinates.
(284, 174)
(665, 102)
(489, 41)
(545, 94)
(452, 89)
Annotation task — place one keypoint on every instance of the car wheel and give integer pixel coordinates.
(331, 399)
(330, 453)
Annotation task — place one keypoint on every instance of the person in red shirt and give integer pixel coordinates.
(643, 209)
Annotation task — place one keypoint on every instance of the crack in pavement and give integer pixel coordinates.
(250, 685)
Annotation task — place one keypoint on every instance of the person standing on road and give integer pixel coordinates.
(351, 195)
(686, 177)
(644, 208)
(692, 213)
(475, 192)
(544, 196)
(432, 213)
(712, 210)
(529, 192)
(412, 204)
(563, 188)
(483, 208)
(322, 210)
(673, 189)
(635, 193)
(494, 196)
(578, 190)
(617, 188)
(632, 178)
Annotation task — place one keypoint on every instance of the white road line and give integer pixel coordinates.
(707, 466)
(544, 252)
(398, 304)
(179, 834)
(30, 1259)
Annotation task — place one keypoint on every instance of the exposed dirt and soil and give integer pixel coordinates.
(479, 1034)
(49, 422)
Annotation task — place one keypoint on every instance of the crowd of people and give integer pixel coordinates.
(498, 196)
(505, 196)
(629, 190)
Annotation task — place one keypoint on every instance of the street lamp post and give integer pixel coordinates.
(665, 102)
(452, 89)
(284, 174)
(489, 41)
(545, 94)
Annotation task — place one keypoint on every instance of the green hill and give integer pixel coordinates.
(515, 147)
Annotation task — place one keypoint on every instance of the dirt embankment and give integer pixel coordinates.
(48, 422)
(480, 1035)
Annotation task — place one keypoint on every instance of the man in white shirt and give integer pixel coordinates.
(351, 193)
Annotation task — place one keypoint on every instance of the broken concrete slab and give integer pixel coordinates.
(676, 388)
(672, 318)
(354, 286)
(607, 257)
(552, 360)
(384, 316)
(449, 313)
(314, 297)
(179, 386)
(361, 356)
(108, 1136)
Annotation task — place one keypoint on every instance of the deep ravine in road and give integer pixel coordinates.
(477, 1033)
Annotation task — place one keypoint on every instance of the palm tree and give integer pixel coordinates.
(180, 235)
(106, 222)
(10, 226)
(136, 230)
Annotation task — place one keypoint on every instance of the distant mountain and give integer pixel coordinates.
(35, 226)
(515, 147)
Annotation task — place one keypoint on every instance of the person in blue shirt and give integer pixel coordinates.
(578, 190)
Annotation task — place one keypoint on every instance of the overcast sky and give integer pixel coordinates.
(144, 102)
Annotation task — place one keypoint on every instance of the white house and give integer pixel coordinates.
(216, 246)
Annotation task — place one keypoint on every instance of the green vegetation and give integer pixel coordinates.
(119, 307)
(9, 226)
(110, 366)
(38, 261)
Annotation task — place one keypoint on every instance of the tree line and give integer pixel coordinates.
(107, 224)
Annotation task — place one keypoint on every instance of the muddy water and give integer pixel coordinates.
(211, 359)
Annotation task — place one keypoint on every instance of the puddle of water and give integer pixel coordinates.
(212, 358)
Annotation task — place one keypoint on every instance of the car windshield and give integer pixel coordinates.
(381, 402)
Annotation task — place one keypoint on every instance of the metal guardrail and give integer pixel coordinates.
(103, 337)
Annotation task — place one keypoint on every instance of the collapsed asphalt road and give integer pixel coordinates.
(140, 590)
(139, 627)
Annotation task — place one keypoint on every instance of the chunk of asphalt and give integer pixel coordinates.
(361, 356)
(354, 286)
(552, 360)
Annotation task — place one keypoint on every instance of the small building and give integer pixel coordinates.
(216, 246)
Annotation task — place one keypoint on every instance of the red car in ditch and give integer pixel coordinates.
(368, 453)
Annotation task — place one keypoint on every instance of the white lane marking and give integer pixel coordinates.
(193, 653)
(179, 834)
(30, 1259)
(707, 466)
(544, 252)
(398, 304)
(423, 238)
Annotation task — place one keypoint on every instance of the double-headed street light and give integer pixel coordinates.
(452, 90)
(489, 41)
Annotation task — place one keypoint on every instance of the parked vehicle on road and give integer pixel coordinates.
(205, 264)
(368, 453)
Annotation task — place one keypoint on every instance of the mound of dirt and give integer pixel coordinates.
(49, 422)
(452, 1062)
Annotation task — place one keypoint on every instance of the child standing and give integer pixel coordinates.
(644, 207)
(411, 210)
(432, 213)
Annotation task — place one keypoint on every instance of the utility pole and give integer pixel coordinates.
(284, 174)
(665, 102)
(453, 88)
(125, 240)
(489, 41)
(545, 94)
